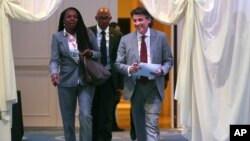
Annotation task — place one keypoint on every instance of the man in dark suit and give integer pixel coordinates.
(115, 126)
(108, 40)
(146, 92)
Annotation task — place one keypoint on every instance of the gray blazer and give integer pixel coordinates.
(128, 54)
(71, 73)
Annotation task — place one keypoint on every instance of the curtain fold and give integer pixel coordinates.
(28, 11)
(213, 74)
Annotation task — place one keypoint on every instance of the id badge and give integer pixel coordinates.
(75, 55)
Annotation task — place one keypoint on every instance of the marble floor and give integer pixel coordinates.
(37, 134)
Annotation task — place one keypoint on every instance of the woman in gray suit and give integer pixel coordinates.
(72, 41)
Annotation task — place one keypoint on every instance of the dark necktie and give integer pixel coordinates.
(143, 53)
(103, 49)
(143, 57)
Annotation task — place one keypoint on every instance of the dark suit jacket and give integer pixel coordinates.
(114, 40)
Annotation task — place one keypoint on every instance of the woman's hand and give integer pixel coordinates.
(88, 53)
(54, 79)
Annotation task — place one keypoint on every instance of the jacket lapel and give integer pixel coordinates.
(65, 44)
(153, 45)
(94, 30)
(111, 40)
(134, 45)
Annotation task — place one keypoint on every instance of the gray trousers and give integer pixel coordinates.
(68, 97)
(146, 106)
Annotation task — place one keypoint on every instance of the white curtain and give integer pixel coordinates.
(22, 10)
(213, 81)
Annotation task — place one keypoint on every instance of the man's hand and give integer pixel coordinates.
(120, 92)
(133, 68)
(158, 72)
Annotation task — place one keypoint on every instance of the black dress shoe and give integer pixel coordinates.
(117, 129)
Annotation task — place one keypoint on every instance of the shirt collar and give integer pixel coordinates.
(99, 30)
(65, 33)
(147, 34)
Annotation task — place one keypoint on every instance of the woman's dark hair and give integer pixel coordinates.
(81, 30)
(143, 11)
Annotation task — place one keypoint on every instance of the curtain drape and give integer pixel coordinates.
(22, 10)
(213, 74)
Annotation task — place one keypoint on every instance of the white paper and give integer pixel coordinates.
(147, 70)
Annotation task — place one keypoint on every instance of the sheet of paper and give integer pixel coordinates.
(147, 69)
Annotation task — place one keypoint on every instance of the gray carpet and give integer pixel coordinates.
(57, 135)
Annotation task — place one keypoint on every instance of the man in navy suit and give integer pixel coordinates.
(104, 98)
(149, 46)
